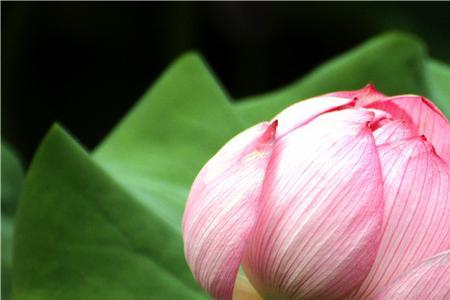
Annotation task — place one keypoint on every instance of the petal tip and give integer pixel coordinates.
(370, 88)
(268, 137)
(272, 128)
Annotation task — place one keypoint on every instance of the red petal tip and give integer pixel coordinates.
(274, 124)
(270, 131)
(371, 86)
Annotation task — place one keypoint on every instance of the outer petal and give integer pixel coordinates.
(417, 211)
(428, 281)
(423, 117)
(392, 131)
(304, 111)
(222, 209)
(362, 96)
(319, 228)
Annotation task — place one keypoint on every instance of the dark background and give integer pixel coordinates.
(84, 64)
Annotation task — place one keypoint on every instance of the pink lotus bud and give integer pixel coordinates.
(337, 198)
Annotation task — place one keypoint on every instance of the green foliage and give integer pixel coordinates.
(81, 235)
(161, 144)
(439, 82)
(107, 225)
(138, 180)
(12, 177)
(7, 238)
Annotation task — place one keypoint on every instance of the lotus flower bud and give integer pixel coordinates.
(338, 197)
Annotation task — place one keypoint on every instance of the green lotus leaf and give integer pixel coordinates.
(80, 235)
(439, 81)
(162, 143)
(11, 183)
(7, 238)
(12, 177)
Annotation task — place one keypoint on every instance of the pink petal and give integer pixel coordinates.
(304, 111)
(223, 206)
(417, 210)
(380, 116)
(428, 281)
(423, 117)
(392, 131)
(362, 96)
(319, 228)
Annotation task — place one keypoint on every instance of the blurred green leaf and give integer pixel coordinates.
(439, 81)
(11, 183)
(152, 157)
(7, 238)
(393, 62)
(162, 143)
(80, 235)
(12, 177)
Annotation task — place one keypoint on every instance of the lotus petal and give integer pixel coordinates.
(392, 131)
(428, 281)
(362, 96)
(222, 208)
(305, 111)
(423, 117)
(321, 217)
(417, 210)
